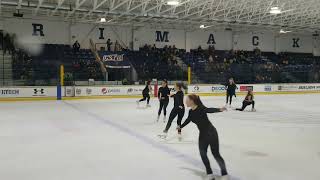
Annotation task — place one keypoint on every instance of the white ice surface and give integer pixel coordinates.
(113, 140)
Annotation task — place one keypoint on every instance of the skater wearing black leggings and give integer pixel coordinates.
(231, 91)
(163, 96)
(145, 93)
(208, 133)
(178, 109)
(249, 100)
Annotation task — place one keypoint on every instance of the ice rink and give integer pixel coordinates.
(112, 139)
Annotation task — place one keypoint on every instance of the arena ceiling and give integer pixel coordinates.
(296, 15)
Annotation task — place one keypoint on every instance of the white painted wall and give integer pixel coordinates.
(223, 39)
(316, 46)
(84, 32)
(244, 41)
(284, 43)
(57, 32)
(144, 36)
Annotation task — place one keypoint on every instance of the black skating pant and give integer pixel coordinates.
(245, 104)
(175, 112)
(163, 105)
(145, 97)
(229, 97)
(211, 138)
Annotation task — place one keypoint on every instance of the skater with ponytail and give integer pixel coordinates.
(163, 96)
(178, 109)
(208, 134)
(146, 94)
(231, 91)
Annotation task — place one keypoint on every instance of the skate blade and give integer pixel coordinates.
(161, 136)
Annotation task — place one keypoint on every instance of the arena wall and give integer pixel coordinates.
(57, 32)
(83, 92)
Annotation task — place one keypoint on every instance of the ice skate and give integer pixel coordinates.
(163, 135)
(210, 177)
(164, 119)
(253, 110)
(148, 105)
(179, 136)
(225, 177)
(158, 118)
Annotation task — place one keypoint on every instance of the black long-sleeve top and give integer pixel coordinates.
(146, 90)
(164, 93)
(200, 118)
(231, 88)
(249, 98)
(178, 99)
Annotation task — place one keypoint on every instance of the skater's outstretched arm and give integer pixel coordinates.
(214, 110)
(185, 123)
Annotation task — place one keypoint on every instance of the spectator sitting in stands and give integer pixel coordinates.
(165, 48)
(76, 46)
(257, 52)
(210, 59)
(211, 50)
(154, 48)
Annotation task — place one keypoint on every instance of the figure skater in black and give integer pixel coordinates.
(248, 100)
(231, 91)
(163, 96)
(208, 133)
(178, 109)
(145, 94)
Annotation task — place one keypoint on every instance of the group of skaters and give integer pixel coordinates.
(208, 135)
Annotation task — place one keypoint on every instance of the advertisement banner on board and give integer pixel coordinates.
(206, 88)
(107, 90)
(28, 92)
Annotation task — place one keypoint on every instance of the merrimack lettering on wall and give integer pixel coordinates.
(37, 29)
(101, 33)
(211, 40)
(255, 41)
(295, 42)
(162, 36)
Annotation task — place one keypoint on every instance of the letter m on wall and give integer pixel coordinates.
(162, 36)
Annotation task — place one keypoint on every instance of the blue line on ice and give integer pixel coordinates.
(145, 139)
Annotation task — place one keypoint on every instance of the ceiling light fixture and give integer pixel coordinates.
(275, 10)
(283, 31)
(103, 20)
(173, 2)
(204, 27)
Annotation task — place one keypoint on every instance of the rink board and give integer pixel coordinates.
(94, 92)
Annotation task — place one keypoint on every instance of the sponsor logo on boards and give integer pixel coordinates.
(246, 88)
(9, 91)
